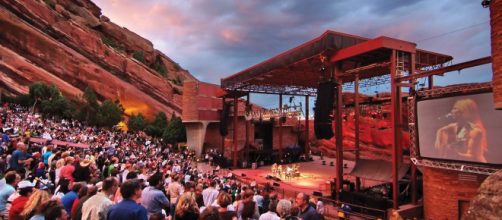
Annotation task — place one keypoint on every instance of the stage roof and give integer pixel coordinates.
(297, 71)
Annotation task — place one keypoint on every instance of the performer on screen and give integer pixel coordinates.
(465, 138)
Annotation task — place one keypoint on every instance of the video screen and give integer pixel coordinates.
(463, 128)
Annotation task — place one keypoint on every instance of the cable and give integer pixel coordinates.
(451, 32)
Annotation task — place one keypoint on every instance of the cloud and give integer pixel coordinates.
(214, 39)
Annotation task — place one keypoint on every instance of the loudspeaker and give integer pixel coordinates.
(277, 184)
(243, 174)
(224, 119)
(323, 109)
(318, 194)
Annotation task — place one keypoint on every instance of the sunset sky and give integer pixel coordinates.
(214, 39)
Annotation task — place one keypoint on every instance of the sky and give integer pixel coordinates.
(215, 39)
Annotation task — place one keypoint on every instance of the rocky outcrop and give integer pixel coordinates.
(70, 44)
(488, 203)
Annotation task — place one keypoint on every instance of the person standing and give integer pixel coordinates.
(19, 157)
(128, 209)
(306, 210)
(46, 155)
(152, 198)
(187, 209)
(210, 194)
(97, 206)
(70, 197)
(25, 190)
(11, 180)
(271, 213)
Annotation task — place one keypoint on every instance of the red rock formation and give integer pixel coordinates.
(70, 44)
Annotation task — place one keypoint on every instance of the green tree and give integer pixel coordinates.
(157, 127)
(24, 100)
(49, 100)
(109, 114)
(40, 91)
(58, 106)
(136, 122)
(175, 131)
(89, 107)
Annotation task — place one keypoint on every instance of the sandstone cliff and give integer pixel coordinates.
(69, 43)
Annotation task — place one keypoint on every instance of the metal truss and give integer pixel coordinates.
(455, 90)
(448, 165)
(369, 82)
(468, 168)
(274, 89)
(412, 127)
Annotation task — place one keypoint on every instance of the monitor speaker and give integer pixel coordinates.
(276, 184)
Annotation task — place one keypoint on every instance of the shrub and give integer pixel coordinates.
(159, 66)
(139, 56)
(50, 3)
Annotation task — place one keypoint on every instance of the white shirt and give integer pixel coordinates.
(269, 216)
(209, 195)
(96, 207)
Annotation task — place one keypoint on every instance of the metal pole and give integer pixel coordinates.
(430, 82)
(247, 129)
(356, 121)
(395, 120)
(221, 121)
(338, 134)
(280, 127)
(236, 109)
(307, 141)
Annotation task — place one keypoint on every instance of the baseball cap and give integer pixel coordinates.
(25, 184)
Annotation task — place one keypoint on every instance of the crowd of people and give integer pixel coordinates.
(120, 175)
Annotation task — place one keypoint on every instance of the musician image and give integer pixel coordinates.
(279, 170)
(465, 137)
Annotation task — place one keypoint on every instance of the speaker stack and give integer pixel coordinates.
(224, 119)
(323, 110)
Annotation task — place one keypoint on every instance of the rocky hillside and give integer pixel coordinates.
(69, 43)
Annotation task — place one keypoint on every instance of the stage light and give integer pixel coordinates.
(485, 3)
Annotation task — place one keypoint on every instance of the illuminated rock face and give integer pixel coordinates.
(69, 44)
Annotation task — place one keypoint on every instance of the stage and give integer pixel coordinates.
(314, 177)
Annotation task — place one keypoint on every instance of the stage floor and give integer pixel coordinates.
(314, 177)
